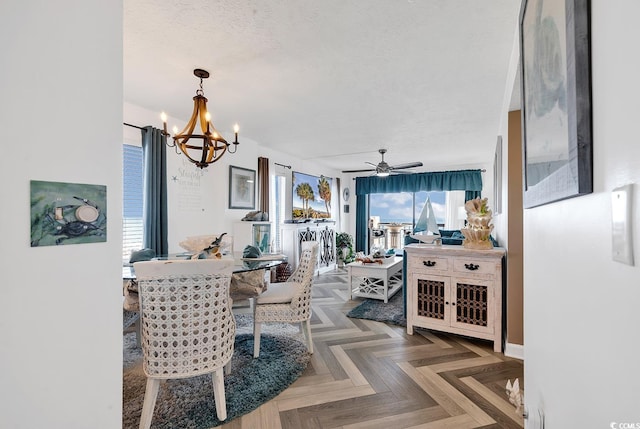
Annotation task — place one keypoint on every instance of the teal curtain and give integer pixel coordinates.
(154, 206)
(470, 195)
(362, 223)
(461, 180)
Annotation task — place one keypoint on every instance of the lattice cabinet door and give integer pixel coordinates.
(472, 304)
(429, 301)
(327, 246)
(305, 235)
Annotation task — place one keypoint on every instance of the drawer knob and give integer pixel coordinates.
(429, 263)
(471, 267)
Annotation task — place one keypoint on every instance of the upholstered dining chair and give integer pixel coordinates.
(288, 302)
(187, 325)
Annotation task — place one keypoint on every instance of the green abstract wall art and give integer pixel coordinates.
(67, 213)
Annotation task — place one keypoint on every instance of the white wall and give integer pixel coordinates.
(581, 308)
(60, 114)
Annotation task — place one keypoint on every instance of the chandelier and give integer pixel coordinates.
(208, 147)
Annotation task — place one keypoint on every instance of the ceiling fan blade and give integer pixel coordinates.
(358, 171)
(408, 165)
(371, 163)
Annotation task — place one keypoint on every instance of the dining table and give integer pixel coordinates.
(248, 279)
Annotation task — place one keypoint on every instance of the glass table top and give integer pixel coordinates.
(241, 264)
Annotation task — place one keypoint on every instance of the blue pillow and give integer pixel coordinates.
(448, 232)
(457, 234)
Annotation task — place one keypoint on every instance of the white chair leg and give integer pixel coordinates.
(218, 393)
(307, 334)
(227, 368)
(256, 339)
(150, 396)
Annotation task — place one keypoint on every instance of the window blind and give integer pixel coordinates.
(132, 228)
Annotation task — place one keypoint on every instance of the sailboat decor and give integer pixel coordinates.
(426, 229)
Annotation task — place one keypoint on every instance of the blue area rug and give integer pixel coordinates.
(189, 403)
(375, 309)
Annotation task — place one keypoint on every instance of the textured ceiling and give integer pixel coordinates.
(331, 80)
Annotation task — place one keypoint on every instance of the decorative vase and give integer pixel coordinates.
(478, 230)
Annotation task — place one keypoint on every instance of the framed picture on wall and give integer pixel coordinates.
(556, 100)
(242, 188)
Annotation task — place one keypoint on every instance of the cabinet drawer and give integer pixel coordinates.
(428, 263)
(474, 266)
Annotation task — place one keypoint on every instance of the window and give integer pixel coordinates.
(405, 208)
(277, 205)
(131, 200)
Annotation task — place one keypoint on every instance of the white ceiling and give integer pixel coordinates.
(331, 80)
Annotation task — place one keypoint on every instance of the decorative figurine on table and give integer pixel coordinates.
(212, 250)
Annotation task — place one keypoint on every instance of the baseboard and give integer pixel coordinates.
(514, 351)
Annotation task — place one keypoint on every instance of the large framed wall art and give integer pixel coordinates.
(556, 100)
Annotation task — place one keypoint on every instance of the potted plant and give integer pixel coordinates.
(344, 245)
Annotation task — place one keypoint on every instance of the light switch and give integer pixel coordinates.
(622, 238)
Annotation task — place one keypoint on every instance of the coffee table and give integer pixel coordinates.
(377, 281)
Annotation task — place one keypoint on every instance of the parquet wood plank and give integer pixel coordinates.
(443, 355)
(270, 416)
(402, 420)
(312, 380)
(463, 402)
(500, 402)
(383, 328)
(464, 363)
(353, 410)
(480, 350)
(290, 419)
(330, 386)
(397, 381)
(432, 389)
(509, 369)
(253, 420)
(433, 338)
(318, 364)
(343, 334)
(463, 421)
(349, 367)
(501, 419)
(401, 353)
(325, 397)
(387, 343)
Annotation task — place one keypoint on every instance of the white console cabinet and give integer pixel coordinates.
(323, 233)
(456, 290)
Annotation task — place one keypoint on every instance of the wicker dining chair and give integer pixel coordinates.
(188, 328)
(288, 302)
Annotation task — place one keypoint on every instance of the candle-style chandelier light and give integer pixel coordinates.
(213, 146)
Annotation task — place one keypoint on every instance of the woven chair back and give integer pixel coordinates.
(301, 304)
(187, 325)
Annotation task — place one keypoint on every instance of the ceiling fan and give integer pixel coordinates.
(382, 169)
